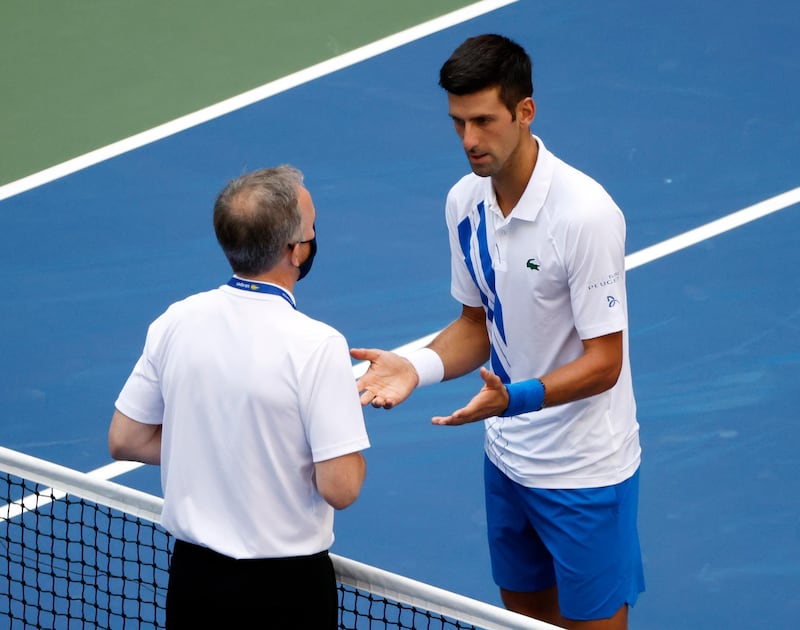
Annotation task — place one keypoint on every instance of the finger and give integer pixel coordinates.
(379, 402)
(364, 354)
(367, 397)
(448, 421)
(454, 419)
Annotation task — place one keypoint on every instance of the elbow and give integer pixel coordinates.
(345, 493)
(116, 447)
(118, 436)
(339, 481)
(121, 451)
(612, 375)
(342, 500)
(602, 362)
(605, 380)
(132, 441)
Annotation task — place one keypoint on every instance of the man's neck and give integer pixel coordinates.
(510, 185)
(271, 277)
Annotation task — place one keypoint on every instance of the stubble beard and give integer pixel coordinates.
(487, 169)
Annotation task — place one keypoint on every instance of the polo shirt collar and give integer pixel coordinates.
(259, 290)
(532, 200)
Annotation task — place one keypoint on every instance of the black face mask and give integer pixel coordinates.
(305, 266)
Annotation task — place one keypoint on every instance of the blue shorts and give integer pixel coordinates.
(585, 541)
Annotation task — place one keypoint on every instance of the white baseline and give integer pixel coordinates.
(649, 254)
(646, 255)
(252, 96)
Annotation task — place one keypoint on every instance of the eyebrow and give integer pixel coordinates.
(476, 117)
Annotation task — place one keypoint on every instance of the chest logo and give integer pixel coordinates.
(533, 263)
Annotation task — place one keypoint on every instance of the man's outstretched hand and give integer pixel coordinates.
(492, 400)
(388, 381)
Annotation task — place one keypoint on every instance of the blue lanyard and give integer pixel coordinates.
(260, 287)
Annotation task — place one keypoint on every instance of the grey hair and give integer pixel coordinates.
(256, 216)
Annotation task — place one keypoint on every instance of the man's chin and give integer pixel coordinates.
(481, 170)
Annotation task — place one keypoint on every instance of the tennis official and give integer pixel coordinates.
(251, 410)
(538, 265)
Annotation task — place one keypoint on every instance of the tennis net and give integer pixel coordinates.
(82, 552)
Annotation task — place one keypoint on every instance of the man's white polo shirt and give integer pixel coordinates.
(251, 393)
(548, 275)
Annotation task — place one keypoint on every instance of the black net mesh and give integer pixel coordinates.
(70, 563)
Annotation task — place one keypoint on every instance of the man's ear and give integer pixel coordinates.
(526, 111)
(294, 255)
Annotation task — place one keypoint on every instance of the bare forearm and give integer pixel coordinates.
(134, 441)
(592, 373)
(464, 345)
(391, 378)
(339, 480)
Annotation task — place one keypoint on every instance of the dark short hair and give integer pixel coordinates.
(256, 216)
(487, 61)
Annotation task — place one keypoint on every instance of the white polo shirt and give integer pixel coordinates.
(548, 275)
(251, 393)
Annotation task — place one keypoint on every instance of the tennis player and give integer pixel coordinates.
(251, 410)
(538, 265)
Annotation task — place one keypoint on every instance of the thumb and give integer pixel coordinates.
(490, 378)
(364, 354)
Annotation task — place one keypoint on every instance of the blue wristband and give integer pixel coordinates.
(524, 396)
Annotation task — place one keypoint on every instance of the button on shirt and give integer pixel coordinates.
(548, 275)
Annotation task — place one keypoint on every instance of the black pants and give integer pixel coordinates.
(209, 590)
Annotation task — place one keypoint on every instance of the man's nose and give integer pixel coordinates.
(470, 137)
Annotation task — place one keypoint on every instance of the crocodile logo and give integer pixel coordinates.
(533, 264)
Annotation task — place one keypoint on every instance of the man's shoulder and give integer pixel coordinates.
(317, 326)
(467, 192)
(569, 179)
(195, 300)
(574, 193)
(468, 184)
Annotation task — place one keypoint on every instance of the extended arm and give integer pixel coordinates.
(390, 379)
(594, 372)
(339, 479)
(464, 345)
(132, 440)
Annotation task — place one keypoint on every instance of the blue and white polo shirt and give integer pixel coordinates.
(548, 275)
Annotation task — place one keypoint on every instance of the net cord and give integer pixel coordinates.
(395, 587)
(413, 593)
(65, 480)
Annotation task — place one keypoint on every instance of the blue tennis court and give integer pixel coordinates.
(686, 113)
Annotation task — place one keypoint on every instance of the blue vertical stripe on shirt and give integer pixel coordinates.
(494, 310)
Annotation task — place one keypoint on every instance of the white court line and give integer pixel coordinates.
(643, 256)
(646, 255)
(35, 501)
(714, 228)
(660, 250)
(649, 254)
(227, 106)
(252, 96)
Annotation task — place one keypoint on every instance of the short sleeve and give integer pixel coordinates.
(330, 405)
(141, 398)
(462, 285)
(596, 269)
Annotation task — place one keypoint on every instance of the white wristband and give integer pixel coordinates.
(428, 365)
